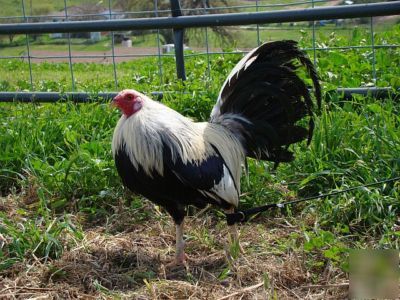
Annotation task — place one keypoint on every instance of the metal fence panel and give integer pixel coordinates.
(210, 16)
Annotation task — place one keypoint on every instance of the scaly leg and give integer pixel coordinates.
(180, 256)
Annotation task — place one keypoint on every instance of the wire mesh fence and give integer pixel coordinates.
(85, 56)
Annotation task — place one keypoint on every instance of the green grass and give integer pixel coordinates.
(56, 158)
(243, 37)
(346, 68)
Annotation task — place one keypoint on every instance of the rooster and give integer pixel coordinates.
(175, 162)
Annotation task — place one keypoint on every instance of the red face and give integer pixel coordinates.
(128, 101)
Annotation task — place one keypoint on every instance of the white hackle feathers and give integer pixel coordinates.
(144, 134)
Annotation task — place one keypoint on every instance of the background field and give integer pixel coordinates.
(68, 229)
(47, 7)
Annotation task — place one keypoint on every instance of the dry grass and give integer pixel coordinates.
(124, 259)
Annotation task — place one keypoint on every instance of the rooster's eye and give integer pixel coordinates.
(130, 96)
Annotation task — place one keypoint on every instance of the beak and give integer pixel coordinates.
(114, 101)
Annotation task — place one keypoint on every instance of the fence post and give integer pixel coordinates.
(178, 41)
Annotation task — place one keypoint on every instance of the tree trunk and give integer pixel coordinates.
(167, 36)
(11, 38)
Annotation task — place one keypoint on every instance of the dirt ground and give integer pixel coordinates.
(93, 56)
(121, 54)
(124, 257)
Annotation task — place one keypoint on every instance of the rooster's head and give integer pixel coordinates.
(129, 102)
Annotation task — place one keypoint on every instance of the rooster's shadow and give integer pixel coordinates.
(116, 269)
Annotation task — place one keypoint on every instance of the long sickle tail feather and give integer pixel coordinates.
(263, 100)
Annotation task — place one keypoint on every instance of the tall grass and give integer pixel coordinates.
(357, 143)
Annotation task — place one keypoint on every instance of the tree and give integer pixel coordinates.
(197, 7)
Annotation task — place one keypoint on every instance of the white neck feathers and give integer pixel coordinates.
(144, 134)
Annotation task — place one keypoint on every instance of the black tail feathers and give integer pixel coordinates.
(264, 99)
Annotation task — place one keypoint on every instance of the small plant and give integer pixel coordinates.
(41, 237)
(326, 245)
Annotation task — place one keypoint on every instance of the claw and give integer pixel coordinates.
(180, 256)
(180, 260)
